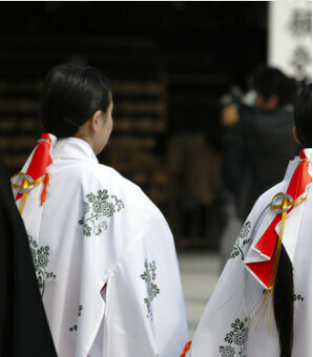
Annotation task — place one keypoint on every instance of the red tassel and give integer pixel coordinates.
(44, 191)
(186, 349)
(40, 160)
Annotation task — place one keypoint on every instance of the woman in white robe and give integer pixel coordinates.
(262, 304)
(103, 253)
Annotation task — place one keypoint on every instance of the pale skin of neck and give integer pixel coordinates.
(97, 130)
(88, 131)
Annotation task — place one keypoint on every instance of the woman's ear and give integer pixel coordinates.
(95, 120)
(295, 135)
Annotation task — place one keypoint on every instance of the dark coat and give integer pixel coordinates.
(24, 330)
(257, 153)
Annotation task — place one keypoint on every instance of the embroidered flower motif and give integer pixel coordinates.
(74, 327)
(242, 240)
(108, 209)
(298, 297)
(241, 337)
(96, 207)
(245, 231)
(87, 230)
(86, 207)
(227, 351)
(43, 253)
(238, 336)
(40, 258)
(149, 276)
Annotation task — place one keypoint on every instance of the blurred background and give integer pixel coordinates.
(180, 74)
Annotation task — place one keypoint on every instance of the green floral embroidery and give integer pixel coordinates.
(149, 276)
(227, 351)
(40, 256)
(74, 328)
(242, 240)
(238, 336)
(298, 297)
(98, 206)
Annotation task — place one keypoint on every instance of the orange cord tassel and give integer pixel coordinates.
(186, 349)
(44, 191)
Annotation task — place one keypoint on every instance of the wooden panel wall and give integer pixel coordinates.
(139, 90)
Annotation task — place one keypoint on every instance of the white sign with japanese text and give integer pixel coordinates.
(290, 37)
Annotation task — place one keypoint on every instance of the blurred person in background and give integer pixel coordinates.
(258, 143)
(24, 329)
(261, 144)
(262, 303)
(103, 253)
(230, 104)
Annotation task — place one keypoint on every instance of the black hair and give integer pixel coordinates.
(71, 94)
(284, 303)
(303, 116)
(270, 81)
(284, 287)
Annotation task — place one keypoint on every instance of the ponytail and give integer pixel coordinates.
(283, 303)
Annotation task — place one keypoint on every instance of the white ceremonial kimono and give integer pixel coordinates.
(228, 327)
(105, 261)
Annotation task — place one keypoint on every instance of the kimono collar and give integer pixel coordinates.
(261, 260)
(294, 163)
(74, 149)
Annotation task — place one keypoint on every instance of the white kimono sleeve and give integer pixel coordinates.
(224, 309)
(145, 311)
(224, 328)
